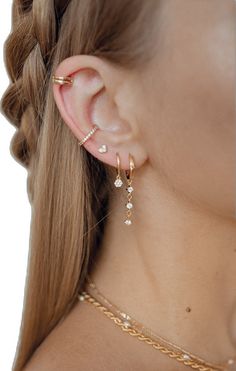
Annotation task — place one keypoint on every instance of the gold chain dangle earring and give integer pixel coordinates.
(118, 182)
(129, 177)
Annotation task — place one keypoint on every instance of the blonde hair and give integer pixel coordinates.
(68, 188)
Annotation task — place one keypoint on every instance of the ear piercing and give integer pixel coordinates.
(103, 148)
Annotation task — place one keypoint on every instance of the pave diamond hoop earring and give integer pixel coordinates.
(129, 177)
(118, 182)
(92, 131)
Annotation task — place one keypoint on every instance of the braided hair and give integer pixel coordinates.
(68, 188)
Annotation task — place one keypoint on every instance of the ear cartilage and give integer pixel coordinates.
(60, 80)
(103, 148)
(88, 135)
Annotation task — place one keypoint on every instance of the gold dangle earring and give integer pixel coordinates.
(118, 182)
(129, 177)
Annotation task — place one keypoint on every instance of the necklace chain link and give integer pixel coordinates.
(135, 329)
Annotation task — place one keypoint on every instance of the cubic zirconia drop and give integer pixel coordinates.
(128, 222)
(118, 183)
(130, 189)
(129, 205)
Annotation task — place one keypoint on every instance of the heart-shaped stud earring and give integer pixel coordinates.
(103, 148)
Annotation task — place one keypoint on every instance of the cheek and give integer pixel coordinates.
(193, 102)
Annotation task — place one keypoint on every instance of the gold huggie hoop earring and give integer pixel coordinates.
(88, 135)
(60, 80)
(118, 182)
(129, 176)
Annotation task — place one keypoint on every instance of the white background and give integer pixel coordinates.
(14, 223)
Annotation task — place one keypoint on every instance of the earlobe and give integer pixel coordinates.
(85, 100)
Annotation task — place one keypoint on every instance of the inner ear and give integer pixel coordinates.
(105, 114)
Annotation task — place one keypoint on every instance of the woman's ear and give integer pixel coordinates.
(91, 100)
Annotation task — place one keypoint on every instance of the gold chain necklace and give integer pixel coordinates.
(136, 329)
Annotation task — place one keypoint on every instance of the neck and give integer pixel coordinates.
(173, 256)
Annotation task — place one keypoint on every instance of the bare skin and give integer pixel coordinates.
(86, 332)
(180, 250)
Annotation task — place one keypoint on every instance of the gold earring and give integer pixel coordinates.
(88, 135)
(103, 148)
(60, 80)
(129, 177)
(118, 182)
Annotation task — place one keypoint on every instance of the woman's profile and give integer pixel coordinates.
(125, 119)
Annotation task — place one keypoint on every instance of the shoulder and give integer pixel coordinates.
(88, 340)
(77, 343)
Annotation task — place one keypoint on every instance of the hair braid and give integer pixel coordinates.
(69, 188)
(28, 65)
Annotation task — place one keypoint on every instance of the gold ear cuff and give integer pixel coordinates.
(60, 80)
